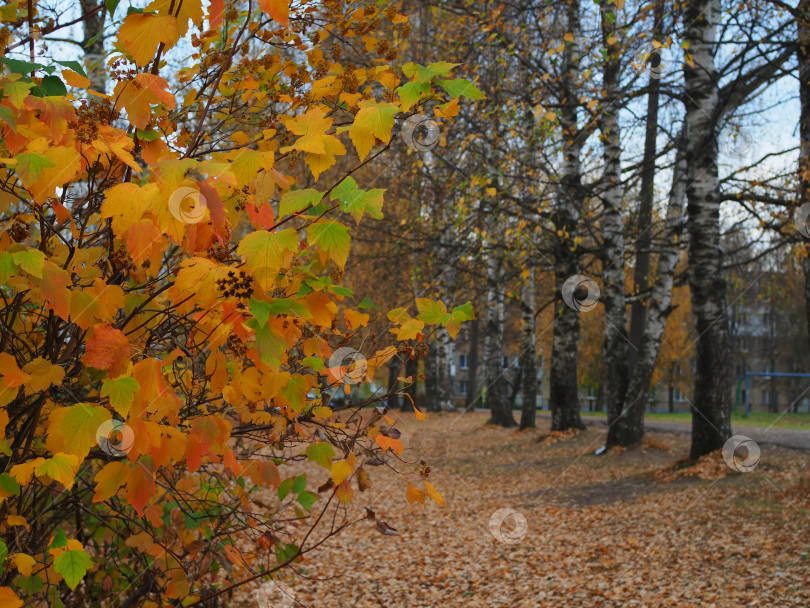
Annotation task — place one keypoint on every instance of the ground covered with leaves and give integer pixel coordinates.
(629, 528)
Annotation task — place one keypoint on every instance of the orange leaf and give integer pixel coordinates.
(108, 348)
(279, 10)
(54, 286)
(142, 33)
(434, 494)
(414, 494)
(140, 487)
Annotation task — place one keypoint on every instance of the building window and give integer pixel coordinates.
(462, 361)
(462, 387)
(765, 398)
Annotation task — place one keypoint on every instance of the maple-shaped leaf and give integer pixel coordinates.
(141, 34)
(332, 238)
(30, 166)
(61, 468)
(321, 147)
(141, 484)
(126, 203)
(414, 494)
(409, 330)
(358, 202)
(73, 429)
(141, 238)
(72, 565)
(121, 393)
(378, 118)
(138, 94)
(43, 374)
(297, 200)
(278, 10)
(461, 87)
(434, 494)
(107, 348)
(266, 252)
(430, 311)
(246, 164)
(321, 453)
(54, 286)
(31, 261)
(187, 10)
(24, 564)
(11, 378)
(110, 479)
(65, 168)
(339, 471)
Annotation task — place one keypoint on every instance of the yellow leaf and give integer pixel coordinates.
(43, 375)
(414, 494)
(24, 564)
(62, 468)
(279, 10)
(23, 473)
(109, 480)
(419, 415)
(434, 494)
(16, 520)
(73, 429)
(75, 79)
(141, 35)
(340, 470)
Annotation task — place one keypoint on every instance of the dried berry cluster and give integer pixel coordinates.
(19, 230)
(236, 286)
(236, 345)
(90, 115)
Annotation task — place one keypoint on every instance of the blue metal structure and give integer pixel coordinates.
(775, 374)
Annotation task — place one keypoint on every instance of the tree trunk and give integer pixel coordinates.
(497, 397)
(472, 365)
(563, 389)
(93, 45)
(646, 198)
(528, 354)
(803, 23)
(616, 340)
(445, 398)
(711, 406)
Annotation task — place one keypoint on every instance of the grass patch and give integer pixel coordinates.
(799, 421)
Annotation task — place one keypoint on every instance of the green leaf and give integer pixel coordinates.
(260, 311)
(3, 554)
(31, 261)
(9, 485)
(51, 86)
(284, 488)
(286, 306)
(366, 303)
(356, 201)
(300, 484)
(307, 499)
(111, 6)
(411, 92)
(460, 86)
(314, 363)
(30, 166)
(72, 565)
(321, 453)
(287, 553)
(121, 392)
(7, 266)
(269, 344)
(59, 540)
(75, 66)
(298, 200)
(464, 312)
(442, 68)
(331, 237)
(20, 67)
